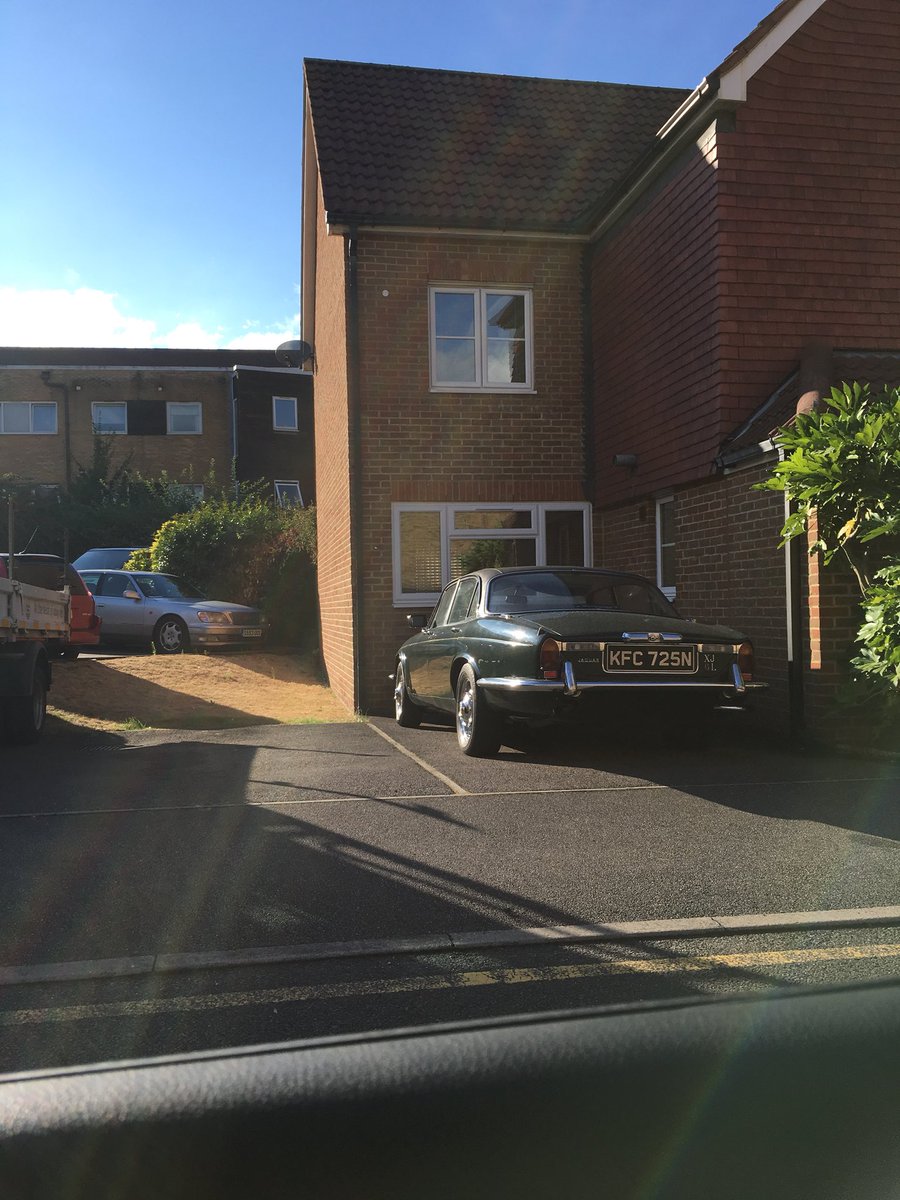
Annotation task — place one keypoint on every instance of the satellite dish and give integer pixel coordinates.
(294, 354)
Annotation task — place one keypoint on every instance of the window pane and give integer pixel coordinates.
(16, 418)
(519, 518)
(471, 554)
(110, 418)
(454, 314)
(43, 418)
(506, 361)
(184, 418)
(505, 316)
(462, 600)
(564, 529)
(287, 491)
(666, 512)
(667, 566)
(285, 412)
(455, 360)
(420, 552)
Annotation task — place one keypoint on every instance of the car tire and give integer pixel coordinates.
(24, 716)
(477, 727)
(171, 636)
(406, 712)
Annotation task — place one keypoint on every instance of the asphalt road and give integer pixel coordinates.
(120, 851)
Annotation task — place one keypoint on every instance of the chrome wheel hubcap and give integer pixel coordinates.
(465, 713)
(398, 692)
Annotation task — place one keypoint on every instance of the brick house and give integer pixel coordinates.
(564, 319)
(164, 410)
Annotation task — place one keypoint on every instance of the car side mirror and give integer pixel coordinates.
(130, 594)
(416, 620)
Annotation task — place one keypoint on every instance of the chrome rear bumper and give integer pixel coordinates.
(568, 686)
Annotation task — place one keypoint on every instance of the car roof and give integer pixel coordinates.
(490, 573)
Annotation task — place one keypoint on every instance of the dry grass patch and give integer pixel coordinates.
(191, 691)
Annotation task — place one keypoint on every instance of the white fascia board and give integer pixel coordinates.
(733, 84)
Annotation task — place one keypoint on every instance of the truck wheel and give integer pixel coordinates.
(24, 716)
(477, 727)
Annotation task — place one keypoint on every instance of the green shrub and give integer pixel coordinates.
(248, 551)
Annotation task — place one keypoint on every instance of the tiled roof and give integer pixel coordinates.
(409, 146)
(879, 368)
(766, 25)
(105, 356)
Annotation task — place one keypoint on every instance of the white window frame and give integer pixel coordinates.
(284, 428)
(30, 431)
(668, 591)
(288, 483)
(450, 530)
(199, 490)
(98, 404)
(171, 405)
(481, 383)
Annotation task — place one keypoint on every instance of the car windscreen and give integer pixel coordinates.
(167, 587)
(561, 591)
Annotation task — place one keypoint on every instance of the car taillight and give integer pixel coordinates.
(745, 662)
(550, 658)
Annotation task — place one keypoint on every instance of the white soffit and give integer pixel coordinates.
(733, 84)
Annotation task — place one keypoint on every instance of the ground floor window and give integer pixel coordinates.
(433, 543)
(287, 492)
(665, 545)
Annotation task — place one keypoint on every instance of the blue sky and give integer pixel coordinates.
(151, 151)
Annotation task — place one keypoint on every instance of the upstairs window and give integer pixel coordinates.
(481, 339)
(284, 414)
(184, 418)
(24, 417)
(109, 418)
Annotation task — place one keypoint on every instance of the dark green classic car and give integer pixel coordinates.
(542, 644)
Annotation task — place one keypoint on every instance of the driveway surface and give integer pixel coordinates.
(164, 843)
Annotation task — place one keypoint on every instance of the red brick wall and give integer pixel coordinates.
(419, 445)
(809, 201)
(333, 463)
(729, 568)
(655, 369)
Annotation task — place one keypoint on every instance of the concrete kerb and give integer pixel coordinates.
(444, 943)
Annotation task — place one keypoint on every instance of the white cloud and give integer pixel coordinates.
(82, 316)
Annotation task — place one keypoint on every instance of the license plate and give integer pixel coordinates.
(252, 632)
(678, 660)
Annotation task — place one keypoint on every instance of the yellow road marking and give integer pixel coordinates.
(444, 982)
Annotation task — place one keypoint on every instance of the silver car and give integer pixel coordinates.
(148, 606)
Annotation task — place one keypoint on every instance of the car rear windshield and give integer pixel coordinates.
(111, 559)
(50, 573)
(168, 587)
(559, 591)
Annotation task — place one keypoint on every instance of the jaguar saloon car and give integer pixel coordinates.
(546, 644)
(151, 607)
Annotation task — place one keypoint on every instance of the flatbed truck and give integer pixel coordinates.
(30, 617)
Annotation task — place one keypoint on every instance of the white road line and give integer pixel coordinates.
(445, 779)
(684, 786)
(445, 943)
